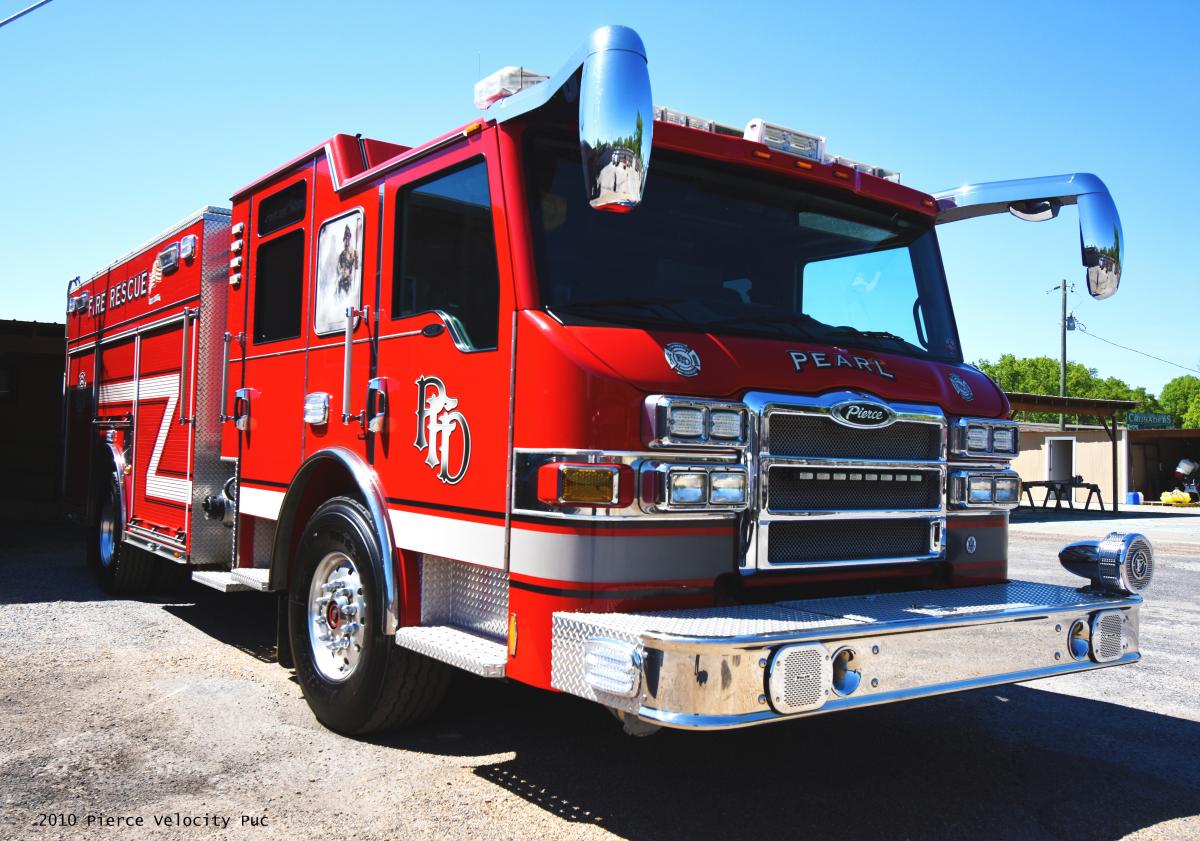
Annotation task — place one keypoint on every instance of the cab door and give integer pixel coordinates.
(440, 401)
(268, 386)
(343, 288)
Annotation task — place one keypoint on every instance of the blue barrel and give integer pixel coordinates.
(1133, 498)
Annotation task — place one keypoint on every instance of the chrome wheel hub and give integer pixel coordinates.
(108, 531)
(336, 617)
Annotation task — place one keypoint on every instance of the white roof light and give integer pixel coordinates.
(505, 82)
(787, 140)
(666, 115)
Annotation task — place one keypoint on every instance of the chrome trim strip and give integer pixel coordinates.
(730, 722)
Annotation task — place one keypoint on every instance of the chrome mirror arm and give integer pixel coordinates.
(1102, 242)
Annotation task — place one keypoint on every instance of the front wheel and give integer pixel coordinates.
(353, 675)
(120, 569)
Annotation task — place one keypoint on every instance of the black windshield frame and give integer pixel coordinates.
(571, 240)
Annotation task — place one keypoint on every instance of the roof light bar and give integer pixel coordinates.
(787, 140)
(505, 82)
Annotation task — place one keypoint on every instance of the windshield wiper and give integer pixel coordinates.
(655, 307)
(794, 322)
(877, 335)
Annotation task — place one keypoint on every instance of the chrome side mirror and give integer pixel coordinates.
(1101, 240)
(609, 77)
(616, 120)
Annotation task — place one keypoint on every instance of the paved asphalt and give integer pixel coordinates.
(149, 707)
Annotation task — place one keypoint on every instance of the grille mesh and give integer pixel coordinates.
(798, 678)
(816, 436)
(1108, 638)
(847, 540)
(804, 489)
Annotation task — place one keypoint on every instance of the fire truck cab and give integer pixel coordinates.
(699, 445)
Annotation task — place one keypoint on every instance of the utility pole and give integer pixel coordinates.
(1062, 363)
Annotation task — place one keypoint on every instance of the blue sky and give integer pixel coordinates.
(118, 118)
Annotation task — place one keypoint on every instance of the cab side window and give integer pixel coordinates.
(279, 287)
(446, 250)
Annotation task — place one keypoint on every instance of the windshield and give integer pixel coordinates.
(721, 249)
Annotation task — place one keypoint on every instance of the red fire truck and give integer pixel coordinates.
(701, 448)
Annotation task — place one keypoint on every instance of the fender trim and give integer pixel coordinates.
(366, 481)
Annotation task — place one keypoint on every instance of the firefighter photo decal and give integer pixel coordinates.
(437, 422)
(339, 271)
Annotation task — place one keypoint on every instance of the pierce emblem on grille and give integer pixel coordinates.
(863, 413)
(683, 360)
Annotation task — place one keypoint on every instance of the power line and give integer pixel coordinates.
(23, 12)
(1084, 330)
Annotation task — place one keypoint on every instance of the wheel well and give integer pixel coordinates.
(316, 482)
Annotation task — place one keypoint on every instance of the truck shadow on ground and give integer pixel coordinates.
(1012, 762)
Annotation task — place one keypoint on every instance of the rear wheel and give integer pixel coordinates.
(120, 569)
(353, 675)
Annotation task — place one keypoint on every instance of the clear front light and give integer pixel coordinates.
(979, 489)
(727, 488)
(1008, 490)
(687, 488)
(685, 422)
(1004, 440)
(725, 424)
(977, 438)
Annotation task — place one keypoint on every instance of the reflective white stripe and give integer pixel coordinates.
(260, 503)
(171, 488)
(476, 543)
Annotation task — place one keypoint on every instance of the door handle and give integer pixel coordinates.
(241, 407)
(352, 316)
(377, 404)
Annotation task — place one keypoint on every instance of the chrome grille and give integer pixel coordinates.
(792, 488)
(1108, 638)
(834, 541)
(818, 436)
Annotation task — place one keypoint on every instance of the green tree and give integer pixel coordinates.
(1178, 396)
(1191, 418)
(1039, 375)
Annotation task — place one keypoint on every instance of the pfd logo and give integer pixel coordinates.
(438, 419)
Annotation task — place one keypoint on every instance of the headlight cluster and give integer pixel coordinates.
(970, 489)
(685, 422)
(972, 437)
(696, 487)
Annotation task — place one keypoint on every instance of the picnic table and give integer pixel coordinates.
(1062, 489)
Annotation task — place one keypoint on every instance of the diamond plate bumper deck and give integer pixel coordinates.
(710, 668)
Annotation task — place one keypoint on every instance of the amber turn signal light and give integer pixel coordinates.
(599, 485)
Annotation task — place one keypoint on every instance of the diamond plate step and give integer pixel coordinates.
(255, 579)
(218, 580)
(475, 654)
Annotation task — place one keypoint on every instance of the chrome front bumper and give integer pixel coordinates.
(716, 668)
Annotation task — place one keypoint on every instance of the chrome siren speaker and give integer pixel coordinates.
(1120, 561)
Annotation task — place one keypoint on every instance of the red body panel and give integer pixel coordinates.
(544, 386)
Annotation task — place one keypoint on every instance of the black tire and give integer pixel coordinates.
(389, 686)
(169, 576)
(120, 569)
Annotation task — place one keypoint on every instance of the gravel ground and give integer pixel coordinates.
(112, 708)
